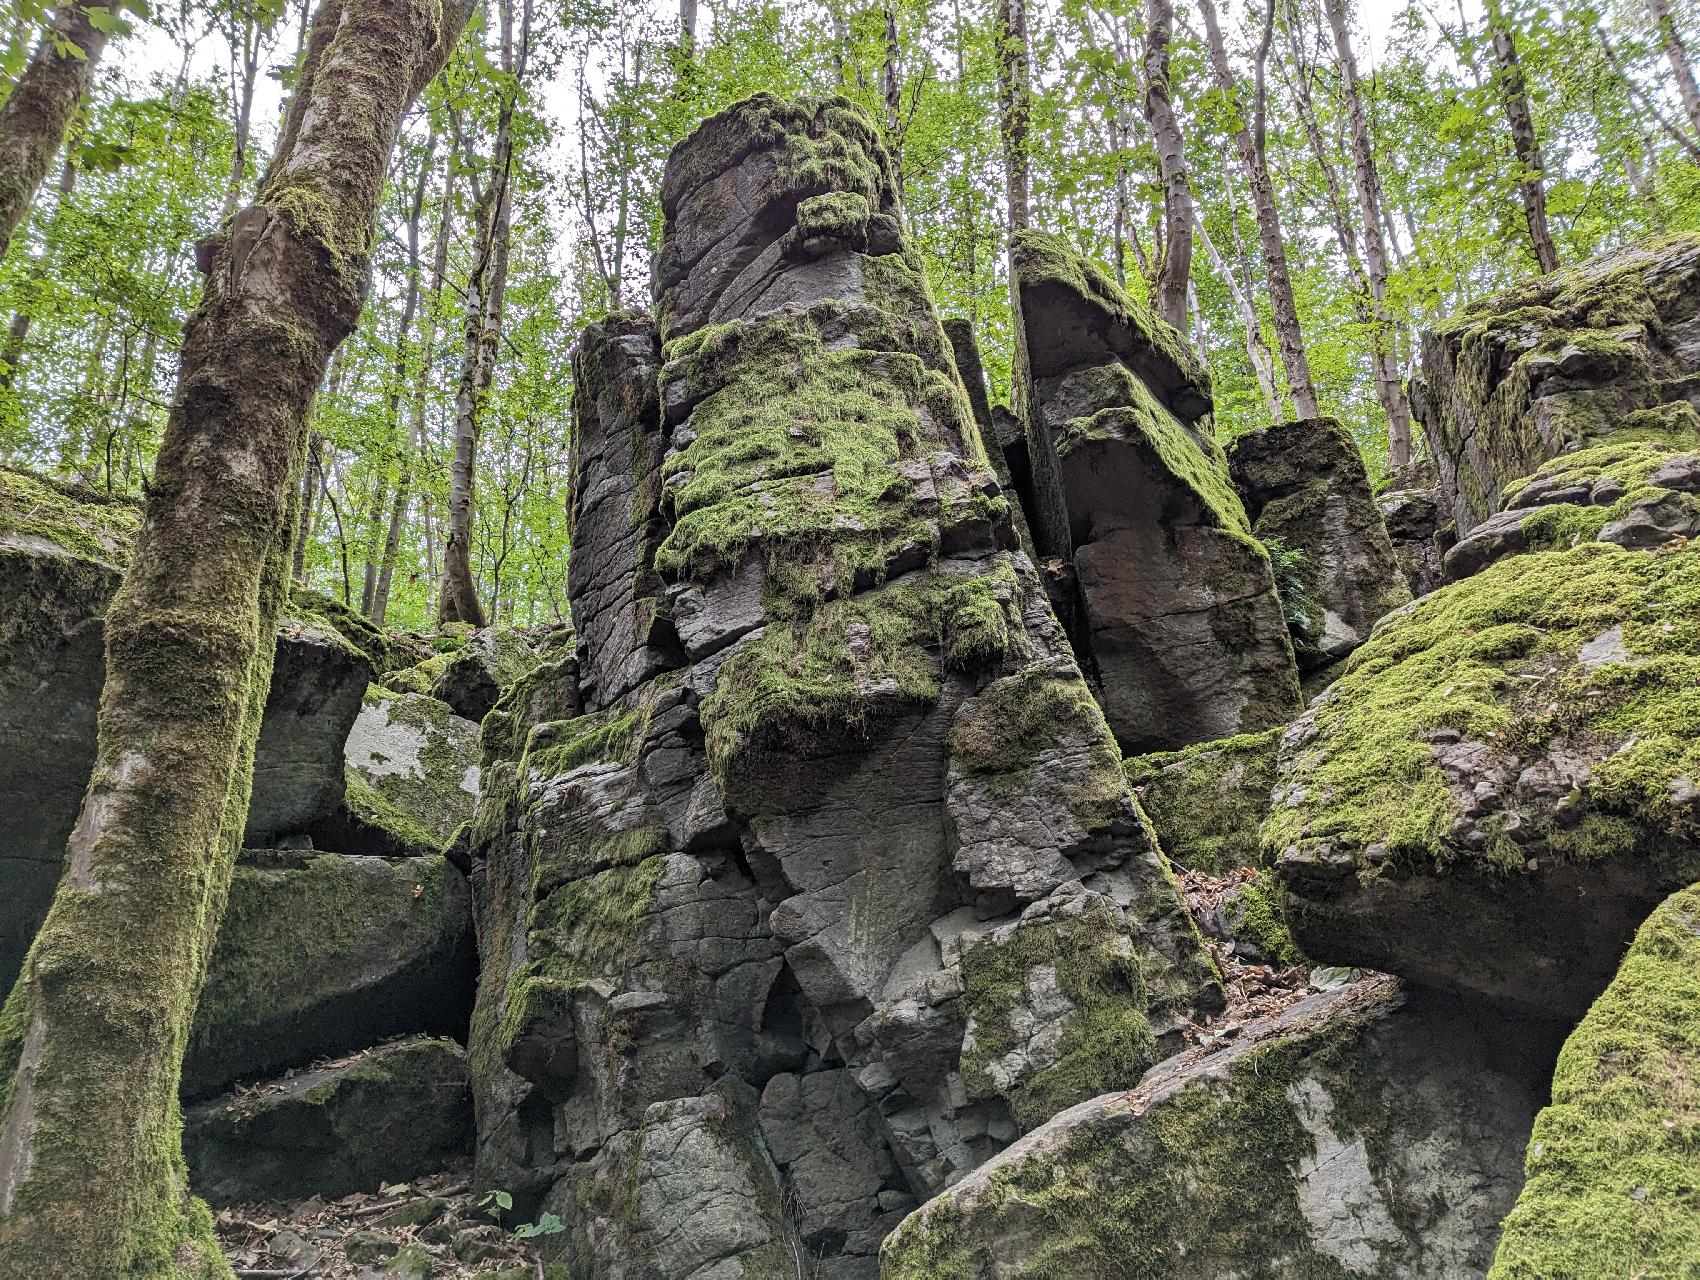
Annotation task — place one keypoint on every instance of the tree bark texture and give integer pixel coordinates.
(92, 1182)
(1514, 97)
(1175, 269)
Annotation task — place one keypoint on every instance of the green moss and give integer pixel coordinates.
(839, 214)
(371, 808)
(82, 521)
(1044, 258)
(1198, 1183)
(1208, 801)
(1613, 1168)
(322, 613)
(1495, 658)
(1262, 921)
(1106, 1041)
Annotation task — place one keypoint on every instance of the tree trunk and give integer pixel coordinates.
(458, 600)
(37, 115)
(1514, 97)
(1248, 139)
(250, 52)
(891, 90)
(1175, 269)
(1388, 387)
(92, 1181)
(688, 28)
(18, 332)
(1256, 349)
(1682, 71)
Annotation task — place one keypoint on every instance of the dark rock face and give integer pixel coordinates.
(475, 674)
(1362, 1133)
(1503, 783)
(814, 877)
(1304, 484)
(62, 552)
(388, 1115)
(321, 954)
(1178, 620)
(1413, 521)
(1610, 347)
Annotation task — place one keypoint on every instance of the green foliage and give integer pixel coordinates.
(1292, 584)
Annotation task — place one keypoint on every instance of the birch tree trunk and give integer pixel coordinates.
(19, 330)
(1248, 140)
(36, 116)
(92, 1182)
(1682, 71)
(458, 600)
(1388, 388)
(1175, 269)
(1514, 97)
(1256, 349)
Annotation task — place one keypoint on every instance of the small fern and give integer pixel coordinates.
(1303, 613)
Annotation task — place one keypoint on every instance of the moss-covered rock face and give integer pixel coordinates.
(1602, 349)
(62, 550)
(1503, 782)
(324, 953)
(1355, 1135)
(826, 742)
(413, 773)
(1305, 489)
(1177, 614)
(383, 1116)
(1614, 1163)
(1207, 802)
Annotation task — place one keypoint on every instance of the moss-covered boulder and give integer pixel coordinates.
(473, 675)
(384, 1115)
(412, 777)
(1177, 613)
(1307, 493)
(63, 548)
(1635, 492)
(1505, 781)
(1614, 1163)
(323, 953)
(1359, 1134)
(1603, 349)
(1207, 802)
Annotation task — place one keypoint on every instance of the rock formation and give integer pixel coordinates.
(814, 878)
(1307, 493)
(1178, 621)
(1363, 1133)
(1609, 348)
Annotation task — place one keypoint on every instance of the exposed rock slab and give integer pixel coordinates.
(319, 954)
(1177, 620)
(387, 1115)
(1305, 487)
(1413, 521)
(1504, 782)
(1361, 1133)
(1611, 1167)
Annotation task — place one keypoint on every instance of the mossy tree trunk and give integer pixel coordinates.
(37, 115)
(92, 1181)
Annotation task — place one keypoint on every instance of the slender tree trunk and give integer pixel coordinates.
(1175, 269)
(38, 114)
(18, 332)
(688, 28)
(92, 1182)
(250, 52)
(891, 90)
(311, 479)
(1248, 139)
(458, 600)
(1682, 71)
(1388, 387)
(1514, 98)
(1256, 349)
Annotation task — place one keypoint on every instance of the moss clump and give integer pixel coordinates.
(1196, 1183)
(1614, 1163)
(844, 667)
(797, 450)
(1208, 801)
(842, 215)
(1106, 1042)
(322, 613)
(1626, 460)
(1259, 918)
(401, 828)
(1496, 658)
(80, 520)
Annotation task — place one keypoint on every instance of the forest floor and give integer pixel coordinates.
(363, 1237)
